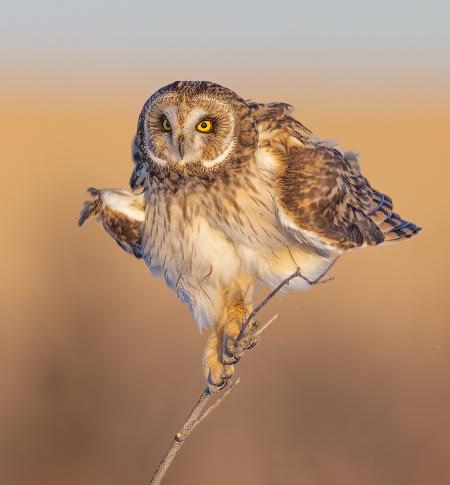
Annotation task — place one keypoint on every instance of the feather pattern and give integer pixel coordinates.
(251, 201)
(122, 215)
(321, 192)
(284, 199)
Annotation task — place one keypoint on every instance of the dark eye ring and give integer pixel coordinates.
(165, 124)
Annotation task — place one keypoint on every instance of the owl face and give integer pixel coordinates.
(195, 128)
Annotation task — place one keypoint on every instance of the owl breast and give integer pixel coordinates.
(196, 259)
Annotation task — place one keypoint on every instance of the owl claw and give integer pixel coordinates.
(231, 359)
(218, 385)
(230, 350)
(250, 342)
(218, 377)
(233, 350)
(228, 371)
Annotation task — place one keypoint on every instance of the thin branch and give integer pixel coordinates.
(285, 282)
(179, 438)
(197, 415)
(228, 391)
(264, 327)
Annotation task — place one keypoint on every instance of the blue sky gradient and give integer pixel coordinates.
(92, 31)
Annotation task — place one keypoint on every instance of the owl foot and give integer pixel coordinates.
(215, 371)
(225, 346)
(233, 349)
(233, 346)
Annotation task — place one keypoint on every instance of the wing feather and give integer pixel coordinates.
(122, 215)
(321, 193)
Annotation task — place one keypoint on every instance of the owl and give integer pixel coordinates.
(228, 194)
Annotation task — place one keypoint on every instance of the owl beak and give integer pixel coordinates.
(181, 147)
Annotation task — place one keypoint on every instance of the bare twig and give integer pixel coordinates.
(193, 420)
(285, 282)
(179, 438)
(197, 415)
(219, 401)
(264, 327)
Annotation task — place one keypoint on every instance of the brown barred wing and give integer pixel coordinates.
(323, 195)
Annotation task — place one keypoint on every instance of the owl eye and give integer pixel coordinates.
(204, 126)
(166, 125)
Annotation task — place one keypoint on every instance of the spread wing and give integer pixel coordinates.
(321, 195)
(122, 214)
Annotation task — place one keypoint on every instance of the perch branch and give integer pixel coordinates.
(250, 328)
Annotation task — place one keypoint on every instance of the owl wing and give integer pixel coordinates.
(275, 124)
(122, 214)
(321, 195)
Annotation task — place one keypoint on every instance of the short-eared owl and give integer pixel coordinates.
(227, 194)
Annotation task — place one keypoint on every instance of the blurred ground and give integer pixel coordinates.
(350, 386)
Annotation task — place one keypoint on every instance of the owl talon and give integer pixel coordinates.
(216, 372)
(228, 371)
(221, 384)
(250, 342)
(230, 346)
(232, 359)
(217, 385)
(252, 328)
(234, 350)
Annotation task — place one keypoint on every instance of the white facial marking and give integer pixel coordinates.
(221, 158)
(194, 117)
(157, 160)
(193, 148)
(171, 113)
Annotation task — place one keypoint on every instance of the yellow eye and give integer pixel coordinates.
(204, 126)
(166, 125)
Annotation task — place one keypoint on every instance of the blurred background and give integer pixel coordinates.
(351, 384)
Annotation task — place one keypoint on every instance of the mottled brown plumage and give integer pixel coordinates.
(229, 194)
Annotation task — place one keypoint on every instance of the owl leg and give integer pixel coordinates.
(221, 350)
(215, 372)
(236, 315)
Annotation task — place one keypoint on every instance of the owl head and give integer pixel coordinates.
(194, 129)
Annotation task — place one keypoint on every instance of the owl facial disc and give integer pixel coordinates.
(194, 127)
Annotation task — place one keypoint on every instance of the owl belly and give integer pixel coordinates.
(198, 261)
(273, 266)
(267, 250)
(209, 260)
